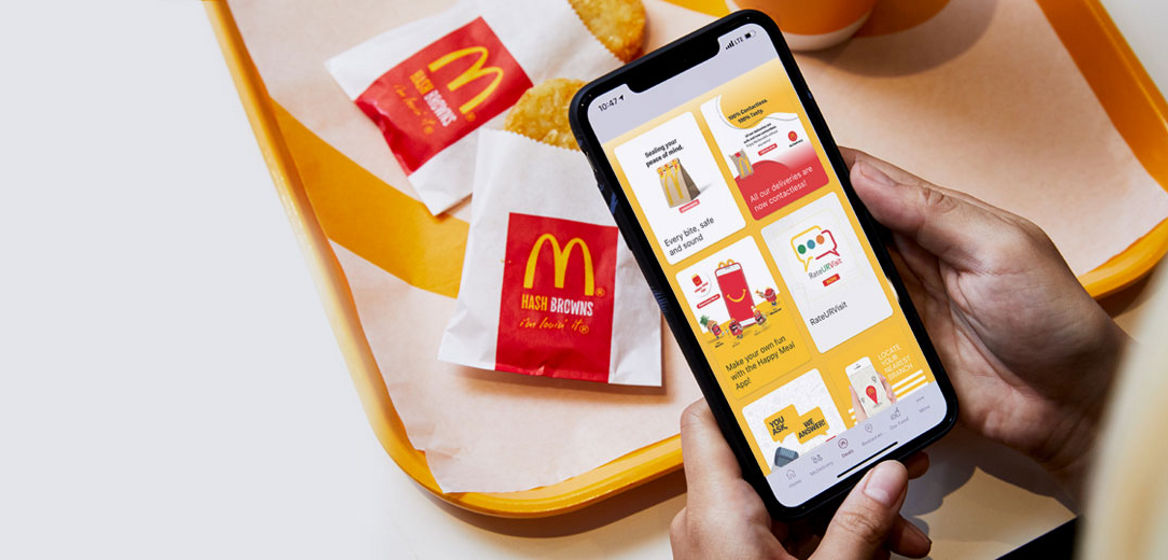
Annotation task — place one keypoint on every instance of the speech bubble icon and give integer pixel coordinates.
(812, 244)
(811, 425)
(782, 422)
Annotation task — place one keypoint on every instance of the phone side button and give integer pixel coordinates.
(608, 194)
(612, 202)
(662, 300)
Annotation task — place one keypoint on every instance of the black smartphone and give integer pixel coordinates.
(728, 188)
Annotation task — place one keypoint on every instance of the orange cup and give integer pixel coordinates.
(810, 25)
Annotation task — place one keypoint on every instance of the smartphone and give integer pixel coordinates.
(728, 188)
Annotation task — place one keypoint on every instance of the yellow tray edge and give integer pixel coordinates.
(651, 462)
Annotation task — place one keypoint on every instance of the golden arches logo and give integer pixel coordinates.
(560, 257)
(476, 70)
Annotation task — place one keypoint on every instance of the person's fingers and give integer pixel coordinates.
(677, 531)
(849, 155)
(711, 470)
(957, 228)
(862, 525)
(907, 539)
(857, 408)
(780, 530)
(917, 464)
(887, 389)
(921, 265)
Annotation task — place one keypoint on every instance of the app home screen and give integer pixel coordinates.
(766, 256)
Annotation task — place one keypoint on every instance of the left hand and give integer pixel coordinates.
(725, 518)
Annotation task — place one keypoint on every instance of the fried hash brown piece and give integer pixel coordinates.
(618, 24)
(542, 113)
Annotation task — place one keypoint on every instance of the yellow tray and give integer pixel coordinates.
(1116, 76)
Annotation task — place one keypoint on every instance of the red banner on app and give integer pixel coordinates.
(556, 306)
(773, 185)
(443, 92)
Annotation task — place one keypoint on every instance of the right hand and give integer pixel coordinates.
(1029, 353)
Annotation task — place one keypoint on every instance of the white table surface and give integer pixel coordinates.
(169, 384)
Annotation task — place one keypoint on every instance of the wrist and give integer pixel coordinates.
(1070, 452)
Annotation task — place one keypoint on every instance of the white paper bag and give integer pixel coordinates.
(432, 84)
(548, 286)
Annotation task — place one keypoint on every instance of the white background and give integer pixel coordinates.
(169, 385)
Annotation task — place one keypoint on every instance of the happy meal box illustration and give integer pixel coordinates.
(735, 292)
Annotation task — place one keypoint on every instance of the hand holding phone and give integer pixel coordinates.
(730, 192)
(722, 521)
(964, 262)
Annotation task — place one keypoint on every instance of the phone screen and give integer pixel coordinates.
(766, 256)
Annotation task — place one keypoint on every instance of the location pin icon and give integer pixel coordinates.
(871, 390)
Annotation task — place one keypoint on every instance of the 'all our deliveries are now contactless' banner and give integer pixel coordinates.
(768, 152)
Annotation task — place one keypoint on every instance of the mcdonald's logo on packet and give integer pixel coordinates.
(556, 302)
(560, 262)
(443, 92)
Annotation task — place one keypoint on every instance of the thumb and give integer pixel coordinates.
(863, 523)
(957, 228)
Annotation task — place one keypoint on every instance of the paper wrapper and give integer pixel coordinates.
(548, 286)
(483, 431)
(431, 85)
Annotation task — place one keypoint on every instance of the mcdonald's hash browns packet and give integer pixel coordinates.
(548, 286)
(432, 85)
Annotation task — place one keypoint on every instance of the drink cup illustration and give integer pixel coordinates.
(813, 244)
(735, 292)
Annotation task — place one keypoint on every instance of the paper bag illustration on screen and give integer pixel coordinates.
(679, 188)
(741, 164)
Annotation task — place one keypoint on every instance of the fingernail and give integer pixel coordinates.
(885, 483)
(873, 174)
